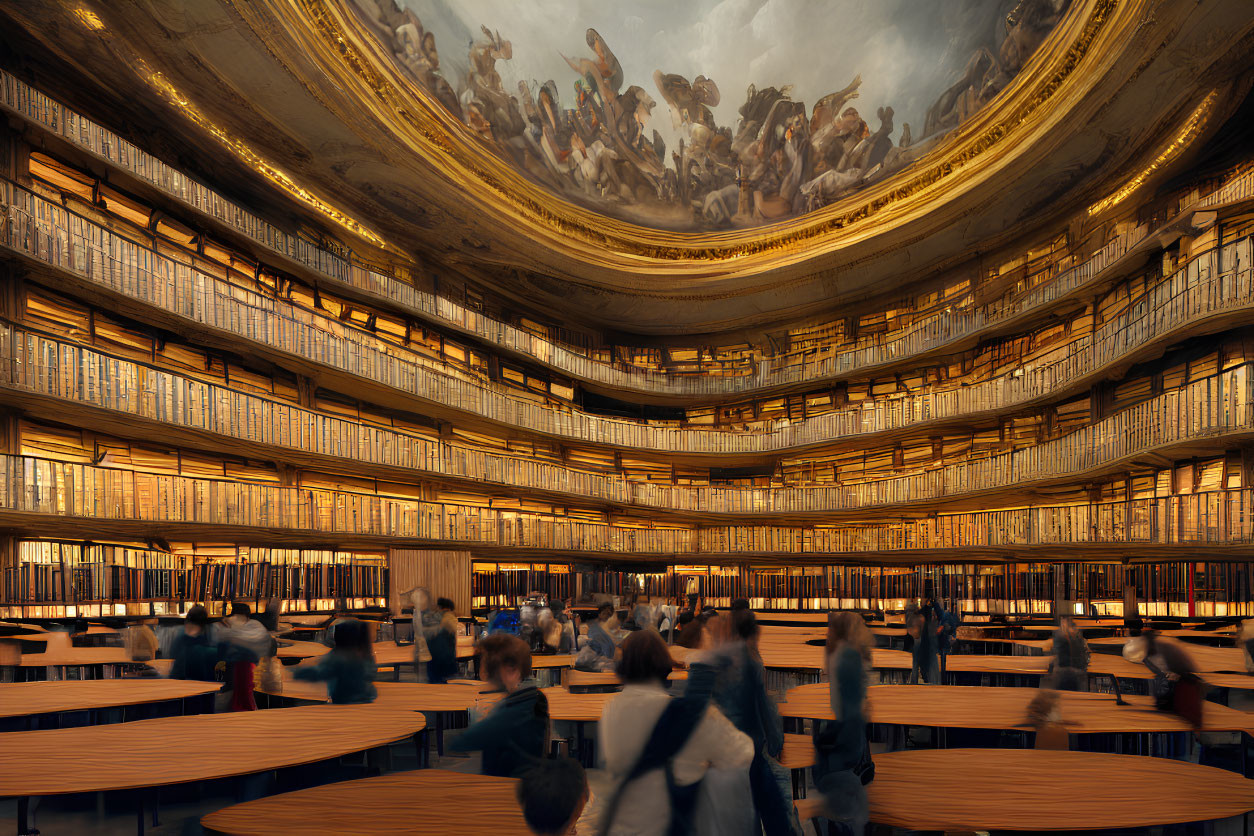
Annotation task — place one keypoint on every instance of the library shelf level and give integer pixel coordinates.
(214, 390)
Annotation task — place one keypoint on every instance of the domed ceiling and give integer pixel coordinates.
(710, 114)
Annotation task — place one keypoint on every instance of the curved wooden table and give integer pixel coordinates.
(1027, 789)
(427, 801)
(23, 699)
(1207, 659)
(200, 747)
(301, 649)
(977, 707)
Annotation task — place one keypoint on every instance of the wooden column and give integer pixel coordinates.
(445, 573)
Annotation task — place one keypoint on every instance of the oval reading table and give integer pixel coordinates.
(427, 801)
(176, 750)
(1033, 789)
(34, 699)
(987, 707)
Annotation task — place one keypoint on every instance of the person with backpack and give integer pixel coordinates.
(843, 764)
(657, 748)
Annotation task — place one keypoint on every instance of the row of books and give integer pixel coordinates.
(61, 489)
(1012, 589)
(88, 249)
(1207, 408)
(494, 585)
(578, 360)
(1173, 301)
(78, 573)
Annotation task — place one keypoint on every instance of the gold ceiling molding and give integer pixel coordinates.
(343, 47)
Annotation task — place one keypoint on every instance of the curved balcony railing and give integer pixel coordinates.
(49, 233)
(795, 368)
(1212, 408)
(65, 491)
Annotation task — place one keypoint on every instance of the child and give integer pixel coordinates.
(515, 732)
(349, 669)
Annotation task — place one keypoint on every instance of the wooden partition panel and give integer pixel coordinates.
(445, 573)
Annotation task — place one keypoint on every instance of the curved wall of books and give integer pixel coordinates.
(201, 404)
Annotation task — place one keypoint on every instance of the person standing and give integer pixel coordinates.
(843, 764)
(740, 693)
(657, 748)
(425, 617)
(242, 642)
(1071, 657)
(923, 654)
(194, 655)
(442, 645)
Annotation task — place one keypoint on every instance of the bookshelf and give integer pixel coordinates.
(52, 578)
(52, 234)
(812, 353)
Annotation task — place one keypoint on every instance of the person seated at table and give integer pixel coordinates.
(194, 655)
(1069, 670)
(555, 638)
(740, 693)
(599, 648)
(141, 642)
(349, 669)
(442, 644)
(925, 665)
(843, 764)
(657, 748)
(1044, 716)
(514, 733)
(242, 642)
(1176, 686)
(552, 794)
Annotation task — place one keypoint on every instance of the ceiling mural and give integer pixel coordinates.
(711, 114)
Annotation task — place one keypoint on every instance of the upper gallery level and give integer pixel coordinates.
(1020, 285)
(163, 272)
(340, 119)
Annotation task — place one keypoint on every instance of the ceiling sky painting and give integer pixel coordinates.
(711, 114)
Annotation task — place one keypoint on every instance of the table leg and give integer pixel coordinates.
(23, 814)
(439, 733)
(139, 811)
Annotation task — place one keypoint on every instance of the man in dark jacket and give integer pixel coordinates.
(515, 732)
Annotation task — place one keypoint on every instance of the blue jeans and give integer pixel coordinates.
(772, 796)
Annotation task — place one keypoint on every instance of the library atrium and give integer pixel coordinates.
(418, 417)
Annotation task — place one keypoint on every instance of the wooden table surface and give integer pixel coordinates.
(301, 649)
(77, 656)
(22, 699)
(428, 802)
(1027, 789)
(976, 707)
(405, 696)
(197, 747)
(581, 708)
(1207, 659)
(588, 679)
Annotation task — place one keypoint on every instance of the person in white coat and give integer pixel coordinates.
(643, 798)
